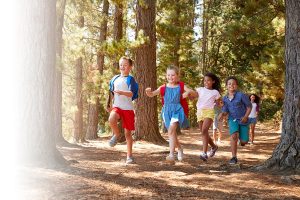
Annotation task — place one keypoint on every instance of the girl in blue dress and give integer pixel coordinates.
(172, 111)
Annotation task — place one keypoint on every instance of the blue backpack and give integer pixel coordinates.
(132, 85)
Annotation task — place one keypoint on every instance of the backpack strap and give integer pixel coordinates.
(183, 101)
(162, 91)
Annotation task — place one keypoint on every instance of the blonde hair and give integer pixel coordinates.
(130, 62)
(174, 68)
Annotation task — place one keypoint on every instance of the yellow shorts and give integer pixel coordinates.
(205, 113)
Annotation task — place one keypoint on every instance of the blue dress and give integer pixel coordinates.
(172, 110)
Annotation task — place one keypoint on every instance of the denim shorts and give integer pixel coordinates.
(252, 120)
(243, 130)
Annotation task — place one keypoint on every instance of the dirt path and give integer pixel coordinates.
(101, 173)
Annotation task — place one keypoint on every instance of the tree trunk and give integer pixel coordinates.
(177, 37)
(118, 29)
(146, 114)
(286, 154)
(93, 112)
(61, 4)
(205, 24)
(38, 109)
(78, 123)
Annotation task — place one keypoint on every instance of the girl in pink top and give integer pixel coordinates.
(208, 96)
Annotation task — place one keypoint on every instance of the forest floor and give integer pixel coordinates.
(100, 172)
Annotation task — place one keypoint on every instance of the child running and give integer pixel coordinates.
(124, 90)
(208, 96)
(172, 111)
(238, 106)
(253, 115)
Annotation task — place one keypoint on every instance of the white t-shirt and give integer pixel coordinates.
(207, 98)
(253, 111)
(121, 101)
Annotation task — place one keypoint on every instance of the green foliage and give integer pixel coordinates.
(270, 109)
(245, 39)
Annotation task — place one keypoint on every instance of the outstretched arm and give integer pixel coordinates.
(150, 93)
(189, 92)
(125, 93)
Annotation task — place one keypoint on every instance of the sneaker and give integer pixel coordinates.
(180, 154)
(212, 151)
(233, 161)
(203, 156)
(129, 160)
(170, 159)
(113, 141)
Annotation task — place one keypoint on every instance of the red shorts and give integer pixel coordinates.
(127, 117)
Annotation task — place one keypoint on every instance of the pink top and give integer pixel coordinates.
(207, 98)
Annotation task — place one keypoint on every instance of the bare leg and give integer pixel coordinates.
(252, 128)
(215, 134)
(206, 139)
(233, 141)
(113, 123)
(220, 127)
(178, 145)
(129, 142)
(172, 138)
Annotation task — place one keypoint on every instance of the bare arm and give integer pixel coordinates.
(150, 93)
(125, 93)
(245, 118)
(222, 115)
(109, 101)
(189, 92)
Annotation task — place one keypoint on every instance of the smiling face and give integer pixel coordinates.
(124, 67)
(208, 82)
(252, 98)
(172, 76)
(231, 85)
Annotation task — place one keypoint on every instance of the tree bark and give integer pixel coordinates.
(38, 109)
(93, 112)
(177, 37)
(146, 112)
(286, 154)
(118, 29)
(61, 4)
(78, 123)
(205, 24)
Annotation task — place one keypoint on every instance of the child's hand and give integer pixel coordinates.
(108, 109)
(220, 117)
(244, 119)
(185, 95)
(148, 91)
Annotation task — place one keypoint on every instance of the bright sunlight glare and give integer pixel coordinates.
(7, 101)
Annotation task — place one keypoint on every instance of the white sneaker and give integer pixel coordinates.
(129, 160)
(170, 159)
(180, 154)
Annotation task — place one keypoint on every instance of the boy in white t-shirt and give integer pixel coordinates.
(207, 97)
(124, 90)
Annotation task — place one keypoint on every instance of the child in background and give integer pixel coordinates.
(217, 125)
(238, 106)
(253, 115)
(124, 90)
(208, 96)
(172, 111)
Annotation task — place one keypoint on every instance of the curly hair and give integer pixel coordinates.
(217, 83)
